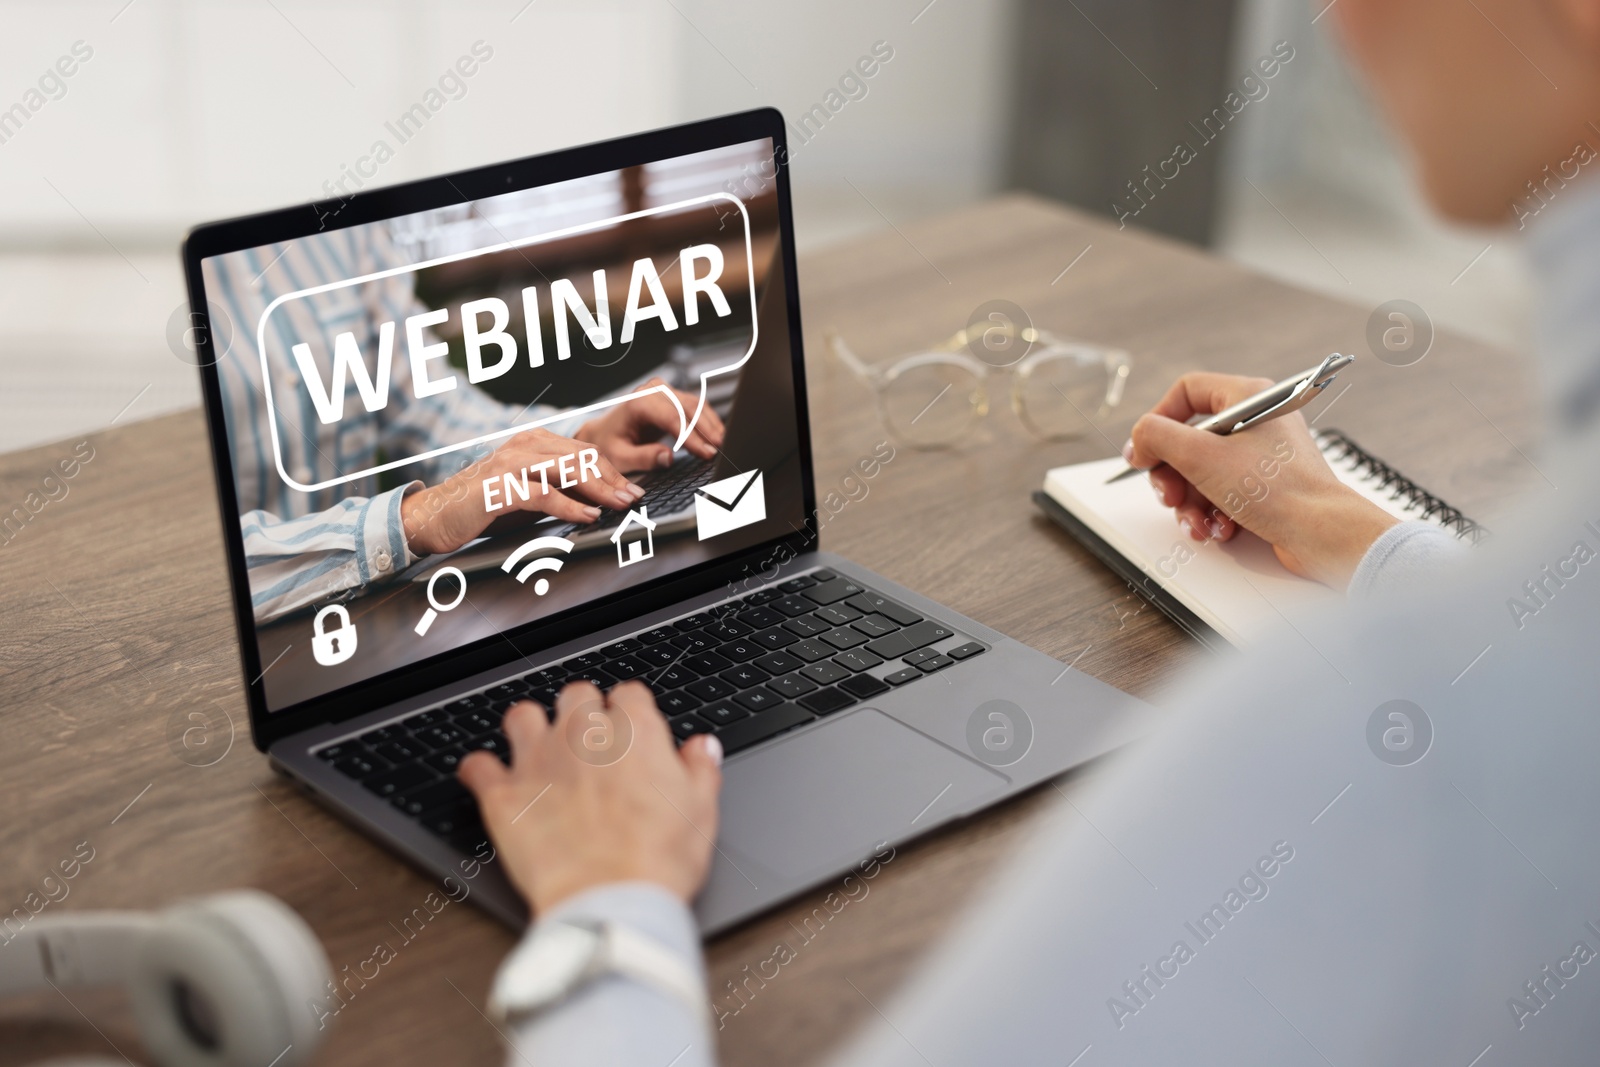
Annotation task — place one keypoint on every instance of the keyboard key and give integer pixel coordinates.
(401, 751)
(625, 667)
(577, 665)
(794, 585)
(549, 678)
(831, 592)
(686, 726)
(858, 659)
(774, 638)
(875, 625)
(863, 686)
(341, 750)
(844, 638)
(910, 639)
(392, 732)
(707, 663)
(452, 819)
(696, 622)
(478, 723)
(360, 765)
(399, 780)
(827, 701)
(807, 626)
(903, 675)
(710, 689)
(744, 676)
(623, 647)
(792, 605)
(445, 761)
(692, 642)
(441, 736)
(937, 663)
(838, 614)
(792, 685)
(760, 618)
(425, 718)
(722, 713)
(741, 650)
(824, 673)
(763, 596)
(596, 676)
(674, 677)
(777, 662)
(966, 651)
(823, 574)
(758, 699)
(440, 794)
(746, 732)
(656, 636)
(810, 651)
(870, 602)
(676, 703)
(726, 630)
(495, 742)
(921, 655)
(659, 655)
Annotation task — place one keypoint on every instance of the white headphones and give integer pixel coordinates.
(217, 981)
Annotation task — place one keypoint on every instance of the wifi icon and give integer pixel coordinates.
(543, 563)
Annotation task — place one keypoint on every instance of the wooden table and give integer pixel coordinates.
(114, 624)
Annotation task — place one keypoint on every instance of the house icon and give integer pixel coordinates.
(631, 546)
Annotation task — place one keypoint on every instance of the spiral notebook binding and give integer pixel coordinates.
(1335, 445)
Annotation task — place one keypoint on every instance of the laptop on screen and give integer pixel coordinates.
(462, 435)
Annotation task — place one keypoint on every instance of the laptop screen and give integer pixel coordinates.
(447, 425)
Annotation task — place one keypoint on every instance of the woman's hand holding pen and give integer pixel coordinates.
(1270, 479)
(443, 517)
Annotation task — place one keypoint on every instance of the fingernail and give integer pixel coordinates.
(623, 496)
(636, 490)
(1159, 494)
(591, 513)
(1215, 527)
(1127, 450)
(714, 749)
(1187, 527)
(665, 460)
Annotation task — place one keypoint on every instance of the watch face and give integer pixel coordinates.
(547, 968)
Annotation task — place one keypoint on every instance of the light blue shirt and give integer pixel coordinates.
(1441, 911)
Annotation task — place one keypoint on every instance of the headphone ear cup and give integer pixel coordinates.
(227, 981)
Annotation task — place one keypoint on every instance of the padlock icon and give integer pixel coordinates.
(333, 646)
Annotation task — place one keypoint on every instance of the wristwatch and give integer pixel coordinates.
(561, 957)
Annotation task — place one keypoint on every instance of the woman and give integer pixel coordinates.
(1318, 881)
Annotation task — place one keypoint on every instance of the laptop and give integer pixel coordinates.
(355, 347)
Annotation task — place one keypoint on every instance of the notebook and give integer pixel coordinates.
(1221, 593)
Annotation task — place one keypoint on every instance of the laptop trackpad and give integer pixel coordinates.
(823, 799)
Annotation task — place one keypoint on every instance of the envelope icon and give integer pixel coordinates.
(730, 504)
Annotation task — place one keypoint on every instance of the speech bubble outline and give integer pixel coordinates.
(686, 422)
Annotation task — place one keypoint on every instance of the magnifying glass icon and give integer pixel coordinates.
(434, 607)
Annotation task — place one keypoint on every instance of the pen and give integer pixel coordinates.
(1291, 394)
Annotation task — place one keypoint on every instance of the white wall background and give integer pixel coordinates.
(191, 111)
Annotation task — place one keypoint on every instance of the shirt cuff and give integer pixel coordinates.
(383, 551)
(1403, 554)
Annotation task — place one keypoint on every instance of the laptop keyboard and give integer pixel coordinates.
(745, 670)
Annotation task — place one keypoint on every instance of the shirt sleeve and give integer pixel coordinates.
(295, 562)
(1404, 554)
(616, 1021)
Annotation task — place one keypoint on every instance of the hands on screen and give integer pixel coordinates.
(563, 824)
(443, 517)
(1270, 479)
(630, 434)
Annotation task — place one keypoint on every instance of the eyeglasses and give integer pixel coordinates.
(933, 399)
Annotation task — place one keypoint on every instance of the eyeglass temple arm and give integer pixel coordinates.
(849, 358)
